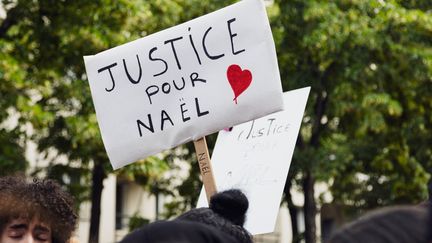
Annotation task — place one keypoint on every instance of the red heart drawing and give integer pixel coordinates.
(239, 79)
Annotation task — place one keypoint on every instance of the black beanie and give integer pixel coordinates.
(178, 232)
(226, 212)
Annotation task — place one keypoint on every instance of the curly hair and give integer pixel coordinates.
(44, 200)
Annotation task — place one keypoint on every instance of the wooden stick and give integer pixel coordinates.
(205, 167)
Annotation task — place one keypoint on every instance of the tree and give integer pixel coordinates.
(366, 61)
(12, 157)
(44, 42)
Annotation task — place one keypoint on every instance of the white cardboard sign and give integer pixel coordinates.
(185, 82)
(255, 158)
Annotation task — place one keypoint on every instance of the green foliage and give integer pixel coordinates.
(144, 172)
(136, 222)
(366, 128)
(12, 158)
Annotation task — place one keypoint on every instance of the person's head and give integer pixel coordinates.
(38, 211)
(178, 231)
(403, 224)
(226, 212)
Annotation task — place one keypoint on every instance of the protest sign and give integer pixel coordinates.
(255, 158)
(185, 82)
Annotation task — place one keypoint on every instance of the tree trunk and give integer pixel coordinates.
(98, 175)
(309, 207)
(293, 213)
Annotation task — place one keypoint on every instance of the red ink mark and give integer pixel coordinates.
(239, 79)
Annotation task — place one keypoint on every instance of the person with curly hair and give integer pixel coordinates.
(37, 211)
